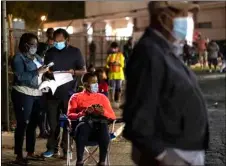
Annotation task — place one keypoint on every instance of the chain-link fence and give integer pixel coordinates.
(102, 44)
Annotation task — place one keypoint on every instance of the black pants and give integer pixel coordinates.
(26, 110)
(212, 61)
(98, 132)
(43, 121)
(55, 108)
(187, 59)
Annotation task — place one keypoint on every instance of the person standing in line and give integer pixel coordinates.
(43, 47)
(92, 51)
(187, 54)
(202, 51)
(127, 49)
(50, 39)
(26, 67)
(102, 82)
(115, 66)
(165, 113)
(41, 51)
(223, 58)
(213, 52)
(65, 58)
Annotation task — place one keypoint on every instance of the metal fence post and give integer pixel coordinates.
(4, 71)
(102, 51)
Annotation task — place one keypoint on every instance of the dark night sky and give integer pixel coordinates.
(32, 11)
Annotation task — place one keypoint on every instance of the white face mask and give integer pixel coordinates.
(32, 50)
(94, 87)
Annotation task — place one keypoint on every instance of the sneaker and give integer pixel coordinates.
(48, 154)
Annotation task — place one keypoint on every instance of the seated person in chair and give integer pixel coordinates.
(86, 104)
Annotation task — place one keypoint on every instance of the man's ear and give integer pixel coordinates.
(85, 84)
(67, 41)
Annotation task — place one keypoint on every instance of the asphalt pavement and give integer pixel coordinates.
(213, 87)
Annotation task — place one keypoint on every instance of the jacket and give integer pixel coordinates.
(79, 102)
(25, 71)
(115, 71)
(213, 50)
(164, 105)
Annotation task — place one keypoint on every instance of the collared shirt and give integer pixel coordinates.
(79, 102)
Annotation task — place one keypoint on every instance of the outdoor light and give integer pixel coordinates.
(90, 30)
(43, 18)
(108, 30)
(70, 29)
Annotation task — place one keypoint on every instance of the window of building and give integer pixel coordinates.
(204, 25)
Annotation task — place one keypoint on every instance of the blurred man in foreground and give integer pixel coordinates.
(165, 112)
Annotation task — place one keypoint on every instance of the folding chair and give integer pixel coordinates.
(92, 147)
(63, 121)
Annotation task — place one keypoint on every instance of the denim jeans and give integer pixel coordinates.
(26, 110)
(115, 85)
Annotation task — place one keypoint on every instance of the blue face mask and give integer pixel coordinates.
(59, 45)
(94, 88)
(180, 27)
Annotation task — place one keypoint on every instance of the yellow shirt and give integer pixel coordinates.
(115, 64)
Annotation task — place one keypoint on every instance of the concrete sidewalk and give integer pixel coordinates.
(119, 154)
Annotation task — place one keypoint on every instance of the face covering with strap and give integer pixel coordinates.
(183, 27)
(32, 50)
(94, 88)
(60, 45)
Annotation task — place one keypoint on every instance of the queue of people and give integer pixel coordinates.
(204, 52)
(29, 102)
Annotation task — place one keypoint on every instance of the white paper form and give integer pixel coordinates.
(62, 77)
(49, 84)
